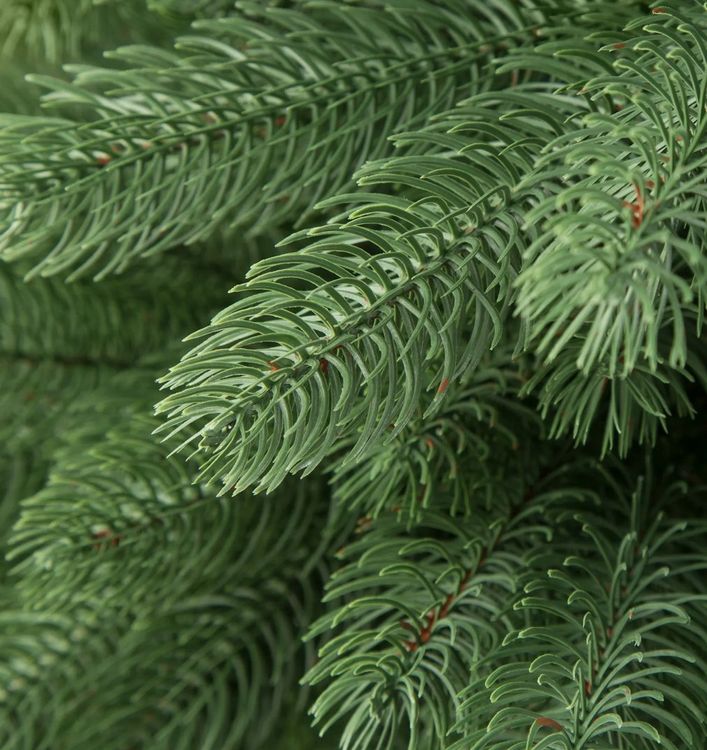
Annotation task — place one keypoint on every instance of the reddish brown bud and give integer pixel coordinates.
(544, 721)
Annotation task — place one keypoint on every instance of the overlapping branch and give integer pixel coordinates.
(251, 123)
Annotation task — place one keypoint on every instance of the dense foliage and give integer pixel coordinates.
(353, 374)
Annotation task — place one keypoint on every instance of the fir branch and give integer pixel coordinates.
(481, 445)
(206, 628)
(498, 592)
(190, 675)
(342, 338)
(622, 247)
(417, 609)
(620, 410)
(611, 664)
(253, 123)
(59, 343)
(131, 506)
(613, 288)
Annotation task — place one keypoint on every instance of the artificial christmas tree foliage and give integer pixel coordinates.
(353, 375)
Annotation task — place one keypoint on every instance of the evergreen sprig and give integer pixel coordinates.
(59, 342)
(342, 338)
(618, 662)
(222, 618)
(250, 123)
(475, 235)
(422, 607)
(473, 452)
